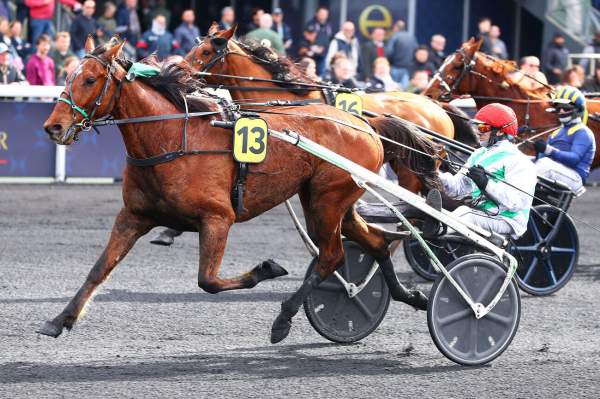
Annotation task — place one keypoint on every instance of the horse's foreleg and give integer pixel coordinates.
(126, 230)
(213, 239)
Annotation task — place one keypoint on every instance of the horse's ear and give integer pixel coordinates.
(114, 51)
(228, 33)
(478, 43)
(214, 28)
(89, 44)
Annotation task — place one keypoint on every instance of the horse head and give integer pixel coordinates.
(451, 75)
(90, 92)
(210, 52)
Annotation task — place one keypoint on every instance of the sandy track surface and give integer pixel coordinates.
(152, 332)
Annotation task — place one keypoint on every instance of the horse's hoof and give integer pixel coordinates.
(50, 329)
(163, 239)
(271, 269)
(418, 300)
(281, 329)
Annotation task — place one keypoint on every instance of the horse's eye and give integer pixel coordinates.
(90, 81)
(205, 52)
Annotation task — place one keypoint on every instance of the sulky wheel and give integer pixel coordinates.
(545, 267)
(419, 261)
(455, 330)
(334, 314)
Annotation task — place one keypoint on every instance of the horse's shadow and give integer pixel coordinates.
(119, 295)
(269, 362)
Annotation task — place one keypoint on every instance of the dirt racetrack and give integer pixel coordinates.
(151, 332)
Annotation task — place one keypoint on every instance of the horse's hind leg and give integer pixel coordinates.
(331, 256)
(213, 239)
(372, 240)
(126, 230)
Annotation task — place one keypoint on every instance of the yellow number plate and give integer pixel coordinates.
(250, 140)
(349, 102)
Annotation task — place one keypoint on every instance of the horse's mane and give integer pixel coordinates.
(280, 68)
(174, 81)
(505, 68)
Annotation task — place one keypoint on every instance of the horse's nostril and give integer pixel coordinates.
(53, 129)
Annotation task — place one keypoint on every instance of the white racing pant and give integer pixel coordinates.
(479, 218)
(553, 170)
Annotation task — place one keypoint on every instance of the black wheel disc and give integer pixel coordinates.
(544, 268)
(335, 315)
(419, 261)
(455, 330)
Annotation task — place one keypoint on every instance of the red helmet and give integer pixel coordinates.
(499, 116)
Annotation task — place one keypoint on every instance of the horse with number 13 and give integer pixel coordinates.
(190, 188)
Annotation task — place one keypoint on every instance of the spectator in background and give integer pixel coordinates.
(22, 47)
(129, 24)
(592, 84)
(255, 22)
(83, 25)
(324, 32)
(40, 67)
(555, 59)
(485, 25)
(400, 50)
(310, 48)
(345, 42)
(61, 51)
(580, 72)
(187, 32)
(309, 67)
(41, 13)
(107, 23)
(265, 36)
(343, 73)
(381, 80)
(227, 18)
(529, 75)
(157, 39)
(418, 82)
(4, 31)
(571, 77)
(8, 73)
(436, 51)
(371, 50)
(498, 45)
(69, 66)
(592, 48)
(281, 28)
(158, 7)
(421, 61)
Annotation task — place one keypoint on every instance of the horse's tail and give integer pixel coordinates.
(421, 162)
(463, 129)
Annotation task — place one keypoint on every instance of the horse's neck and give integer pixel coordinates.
(533, 113)
(142, 140)
(256, 71)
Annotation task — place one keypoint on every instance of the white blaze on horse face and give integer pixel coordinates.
(448, 61)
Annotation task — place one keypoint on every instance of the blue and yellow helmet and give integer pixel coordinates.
(571, 95)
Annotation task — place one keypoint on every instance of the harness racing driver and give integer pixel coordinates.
(568, 154)
(495, 206)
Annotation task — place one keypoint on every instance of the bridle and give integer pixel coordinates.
(221, 50)
(88, 120)
(446, 81)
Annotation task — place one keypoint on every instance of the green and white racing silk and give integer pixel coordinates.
(506, 163)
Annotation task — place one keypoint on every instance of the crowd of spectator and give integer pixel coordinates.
(387, 60)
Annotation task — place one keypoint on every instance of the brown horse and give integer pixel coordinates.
(193, 191)
(221, 55)
(488, 79)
